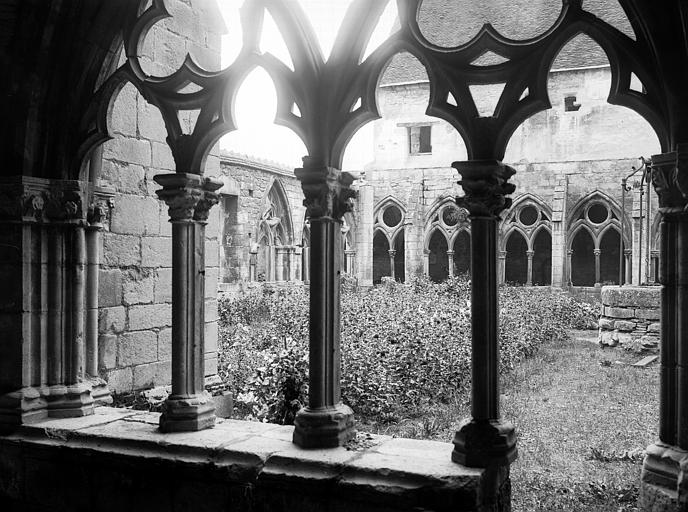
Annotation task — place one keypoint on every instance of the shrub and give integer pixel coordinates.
(402, 345)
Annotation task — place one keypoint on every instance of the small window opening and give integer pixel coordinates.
(570, 104)
(420, 140)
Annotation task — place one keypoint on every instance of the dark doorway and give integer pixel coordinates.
(400, 258)
(609, 257)
(462, 253)
(583, 259)
(380, 257)
(438, 264)
(516, 259)
(542, 259)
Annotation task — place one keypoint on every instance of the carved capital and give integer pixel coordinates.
(326, 189)
(485, 184)
(670, 179)
(209, 199)
(181, 192)
(64, 205)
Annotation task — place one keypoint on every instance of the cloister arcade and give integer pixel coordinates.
(64, 71)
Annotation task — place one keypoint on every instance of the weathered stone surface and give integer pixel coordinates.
(648, 314)
(120, 380)
(163, 285)
(138, 287)
(631, 296)
(156, 251)
(211, 337)
(109, 288)
(107, 351)
(152, 374)
(137, 347)
(624, 325)
(112, 319)
(128, 149)
(615, 312)
(121, 250)
(165, 344)
(211, 314)
(606, 323)
(210, 366)
(150, 316)
(124, 177)
(136, 215)
(654, 327)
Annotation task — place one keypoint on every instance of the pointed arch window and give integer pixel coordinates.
(389, 245)
(451, 256)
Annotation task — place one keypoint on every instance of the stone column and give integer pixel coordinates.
(392, 253)
(189, 198)
(450, 262)
(502, 267)
(569, 270)
(664, 478)
(325, 421)
(350, 255)
(426, 262)
(484, 440)
(597, 253)
(364, 235)
(628, 276)
(529, 277)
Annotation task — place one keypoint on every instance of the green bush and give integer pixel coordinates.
(401, 345)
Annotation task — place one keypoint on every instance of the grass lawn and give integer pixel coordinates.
(583, 415)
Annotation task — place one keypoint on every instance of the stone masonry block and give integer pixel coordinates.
(162, 156)
(152, 374)
(127, 149)
(606, 324)
(120, 380)
(655, 327)
(648, 314)
(211, 281)
(109, 288)
(112, 319)
(619, 312)
(624, 325)
(137, 347)
(210, 366)
(631, 296)
(211, 314)
(212, 253)
(138, 287)
(211, 337)
(123, 116)
(165, 344)
(136, 215)
(156, 251)
(107, 351)
(151, 123)
(125, 178)
(121, 250)
(163, 285)
(150, 316)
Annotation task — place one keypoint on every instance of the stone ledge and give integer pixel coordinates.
(254, 463)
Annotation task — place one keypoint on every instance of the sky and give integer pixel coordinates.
(257, 135)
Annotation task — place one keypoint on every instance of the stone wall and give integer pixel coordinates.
(136, 270)
(561, 158)
(630, 317)
(247, 183)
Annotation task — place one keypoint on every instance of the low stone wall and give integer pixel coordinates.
(630, 317)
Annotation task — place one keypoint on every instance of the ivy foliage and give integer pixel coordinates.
(401, 345)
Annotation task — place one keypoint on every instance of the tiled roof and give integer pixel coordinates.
(450, 23)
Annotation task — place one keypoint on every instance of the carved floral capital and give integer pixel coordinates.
(485, 184)
(181, 192)
(326, 189)
(670, 179)
(209, 199)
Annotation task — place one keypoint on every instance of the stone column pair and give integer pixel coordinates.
(189, 198)
(664, 479)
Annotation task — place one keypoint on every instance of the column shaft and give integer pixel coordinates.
(529, 275)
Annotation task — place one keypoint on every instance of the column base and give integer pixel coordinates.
(483, 444)
(26, 405)
(326, 427)
(664, 478)
(187, 413)
(70, 401)
(100, 391)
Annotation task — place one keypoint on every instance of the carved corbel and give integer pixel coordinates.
(327, 191)
(485, 183)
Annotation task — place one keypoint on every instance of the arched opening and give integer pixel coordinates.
(438, 264)
(516, 270)
(542, 258)
(462, 253)
(381, 266)
(609, 257)
(583, 259)
(400, 257)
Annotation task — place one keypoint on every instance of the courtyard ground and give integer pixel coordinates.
(584, 417)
